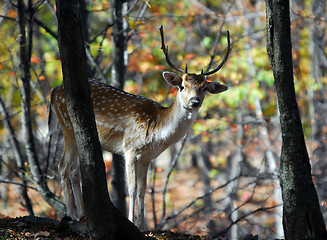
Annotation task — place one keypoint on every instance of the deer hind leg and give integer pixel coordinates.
(64, 168)
(142, 169)
(131, 173)
(76, 183)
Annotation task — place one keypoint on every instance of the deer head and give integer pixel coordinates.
(191, 86)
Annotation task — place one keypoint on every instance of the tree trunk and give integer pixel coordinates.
(119, 63)
(302, 218)
(103, 219)
(319, 97)
(39, 178)
(85, 29)
(18, 156)
(230, 203)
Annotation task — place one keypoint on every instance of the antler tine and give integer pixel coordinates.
(223, 61)
(165, 50)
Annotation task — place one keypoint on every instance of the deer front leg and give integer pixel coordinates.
(131, 173)
(142, 169)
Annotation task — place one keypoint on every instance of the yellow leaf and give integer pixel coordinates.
(148, 3)
(132, 25)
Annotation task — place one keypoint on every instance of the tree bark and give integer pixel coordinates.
(119, 64)
(302, 218)
(103, 219)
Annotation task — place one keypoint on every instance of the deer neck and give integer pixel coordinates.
(175, 122)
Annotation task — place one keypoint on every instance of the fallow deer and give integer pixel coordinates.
(134, 126)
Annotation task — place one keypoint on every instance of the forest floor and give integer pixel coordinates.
(184, 186)
(44, 228)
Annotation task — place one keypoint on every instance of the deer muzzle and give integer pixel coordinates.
(195, 102)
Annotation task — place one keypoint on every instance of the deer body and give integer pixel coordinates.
(133, 126)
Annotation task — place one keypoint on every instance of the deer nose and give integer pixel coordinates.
(195, 102)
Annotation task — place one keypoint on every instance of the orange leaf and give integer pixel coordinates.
(159, 67)
(189, 56)
(42, 78)
(12, 13)
(205, 133)
(35, 60)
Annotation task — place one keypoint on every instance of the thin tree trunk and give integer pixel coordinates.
(302, 218)
(271, 168)
(85, 29)
(205, 167)
(3, 174)
(319, 99)
(230, 202)
(32, 158)
(119, 37)
(118, 70)
(18, 156)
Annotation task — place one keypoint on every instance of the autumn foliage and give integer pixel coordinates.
(226, 177)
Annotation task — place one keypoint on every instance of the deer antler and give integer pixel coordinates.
(165, 50)
(223, 61)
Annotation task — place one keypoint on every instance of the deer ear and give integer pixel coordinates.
(172, 78)
(214, 87)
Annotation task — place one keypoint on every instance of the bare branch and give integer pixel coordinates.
(245, 216)
(7, 181)
(166, 183)
(164, 221)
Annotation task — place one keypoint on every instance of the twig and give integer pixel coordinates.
(109, 25)
(8, 18)
(102, 32)
(167, 180)
(3, 180)
(47, 29)
(96, 65)
(245, 216)
(164, 221)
